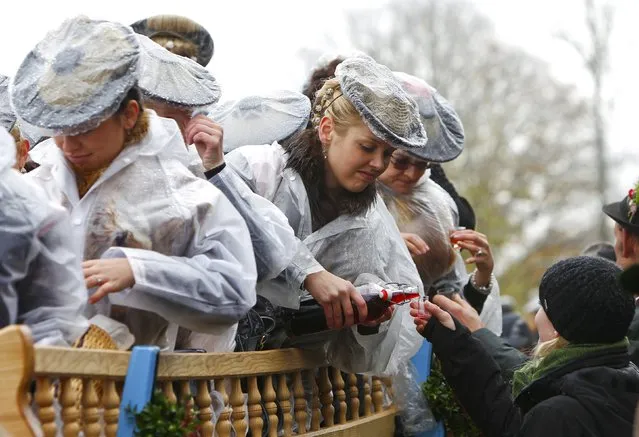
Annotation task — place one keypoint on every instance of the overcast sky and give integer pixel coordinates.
(257, 44)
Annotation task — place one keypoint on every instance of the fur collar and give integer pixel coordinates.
(305, 157)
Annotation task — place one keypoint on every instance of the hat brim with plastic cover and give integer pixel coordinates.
(388, 111)
(443, 126)
(7, 116)
(264, 119)
(174, 79)
(7, 150)
(76, 77)
(174, 26)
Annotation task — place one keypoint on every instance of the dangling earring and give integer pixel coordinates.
(324, 153)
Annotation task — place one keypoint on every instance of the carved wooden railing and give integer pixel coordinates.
(253, 386)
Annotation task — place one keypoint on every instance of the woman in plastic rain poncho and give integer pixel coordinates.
(163, 248)
(323, 180)
(426, 214)
(180, 89)
(41, 282)
(8, 122)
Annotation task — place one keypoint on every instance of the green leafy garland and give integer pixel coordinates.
(444, 405)
(161, 418)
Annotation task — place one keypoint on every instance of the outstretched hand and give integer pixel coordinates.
(428, 310)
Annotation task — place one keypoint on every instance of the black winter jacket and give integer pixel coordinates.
(593, 397)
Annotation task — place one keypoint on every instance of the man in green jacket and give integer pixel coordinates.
(509, 359)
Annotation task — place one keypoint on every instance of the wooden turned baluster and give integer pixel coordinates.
(203, 401)
(70, 413)
(256, 423)
(354, 395)
(315, 402)
(368, 400)
(169, 393)
(44, 401)
(326, 396)
(340, 395)
(284, 398)
(90, 413)
(300, 403)
(268, 394)
(378, 394)
(237, 403)
(223, 426)
(111, 404)
(187, 399)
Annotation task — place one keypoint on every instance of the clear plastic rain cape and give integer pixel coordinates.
(42, 284)
(188, 247)
(348, 247)
(426, 213)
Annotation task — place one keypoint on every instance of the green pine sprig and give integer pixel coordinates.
(444, 404)
(161, 418)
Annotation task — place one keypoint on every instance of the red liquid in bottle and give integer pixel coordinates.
(377, 299)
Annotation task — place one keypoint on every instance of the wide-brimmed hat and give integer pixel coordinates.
(261, 119)
(174, 79)
(443, 126)
(624, 212)
(388, 111)
(175, 27)
(76, 77)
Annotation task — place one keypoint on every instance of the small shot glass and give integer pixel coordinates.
(421, 306)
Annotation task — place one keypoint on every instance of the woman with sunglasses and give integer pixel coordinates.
(427, 215)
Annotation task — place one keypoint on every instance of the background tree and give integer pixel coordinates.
(596, 59)
(528, 164)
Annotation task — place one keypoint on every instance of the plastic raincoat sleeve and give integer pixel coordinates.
(206, 290)
(274, 242)
(46, 283)
(381, 252)
(491, 315)
(261, 176)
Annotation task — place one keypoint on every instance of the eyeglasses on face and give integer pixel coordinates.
(403, 162)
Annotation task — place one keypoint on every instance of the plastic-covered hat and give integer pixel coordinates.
(7, 150)
(388, 111)
(443, 126)
(76, 77)
(261, 119)
(7, 117)
(172, 28)
(174, 79)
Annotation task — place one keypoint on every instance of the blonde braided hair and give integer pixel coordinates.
(331, 102)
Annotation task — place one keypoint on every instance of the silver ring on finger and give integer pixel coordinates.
(480, 253)
(99, 280)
